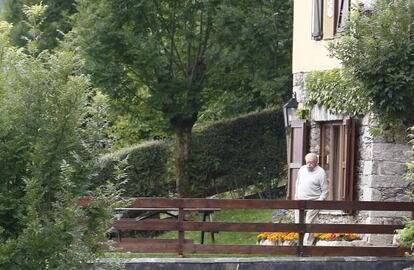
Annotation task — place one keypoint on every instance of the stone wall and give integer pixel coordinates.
(266, 263)
(379, 170)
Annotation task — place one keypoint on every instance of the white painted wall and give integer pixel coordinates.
(308, 54)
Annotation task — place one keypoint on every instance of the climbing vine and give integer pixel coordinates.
(406, 235)
(377, 75)
(336, 92)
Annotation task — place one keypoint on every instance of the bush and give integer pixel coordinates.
(236, 153)
(145, 166)
(406, 235)
(226, 155)
(47, 156)
(377, 52)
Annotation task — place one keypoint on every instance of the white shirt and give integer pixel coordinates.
(311, 185)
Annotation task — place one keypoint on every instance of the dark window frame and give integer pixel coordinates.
(324, 26)
(342, 167)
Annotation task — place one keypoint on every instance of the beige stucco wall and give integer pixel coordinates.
(308, 54)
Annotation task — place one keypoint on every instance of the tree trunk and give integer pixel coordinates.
(182, 141)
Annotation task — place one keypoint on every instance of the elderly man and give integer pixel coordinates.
(311, 184)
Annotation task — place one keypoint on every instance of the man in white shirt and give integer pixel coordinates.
(311, 184)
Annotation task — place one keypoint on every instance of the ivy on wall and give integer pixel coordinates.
(336, 92)
(377, 75)
(406, 235)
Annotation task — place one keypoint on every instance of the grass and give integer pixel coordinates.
(229, 238)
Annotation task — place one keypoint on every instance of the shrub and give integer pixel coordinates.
(406, 235)
(236, 153)
(145, 166)
(226, 155)
(376, 51)
(47, 154)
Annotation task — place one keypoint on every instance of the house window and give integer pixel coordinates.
(337, 151)
(328, 17)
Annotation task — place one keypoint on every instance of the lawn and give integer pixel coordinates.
(229, 238)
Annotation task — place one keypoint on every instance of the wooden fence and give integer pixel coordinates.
(182, 245)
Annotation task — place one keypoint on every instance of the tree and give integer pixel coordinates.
(171, 56)
(377, 54)
(376, 51)
(47, 154)
(252, 55)
(56, 21)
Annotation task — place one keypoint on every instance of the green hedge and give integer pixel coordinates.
(144, 166)
(229, 154)
(239, 152)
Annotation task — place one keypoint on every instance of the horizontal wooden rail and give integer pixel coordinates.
(180, 225)
(270, 204)
(170, 246)
(173, 225)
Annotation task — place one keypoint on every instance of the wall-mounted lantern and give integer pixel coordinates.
(289, 110)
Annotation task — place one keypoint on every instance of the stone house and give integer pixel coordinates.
(359, 166)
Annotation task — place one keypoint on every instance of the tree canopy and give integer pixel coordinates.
(55, 22)
(377, 51)
(50, 132)
(175, 57)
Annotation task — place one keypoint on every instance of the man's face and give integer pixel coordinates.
(310, 164)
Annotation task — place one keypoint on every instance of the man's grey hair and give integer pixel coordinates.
(311, 156)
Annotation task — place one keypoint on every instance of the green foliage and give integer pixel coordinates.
(240, 47)
(377, 52)
(251, 56)
(239, 152)
(336, 92)
(149, 51)
(229, 238)
(230, 154)
(406, 235)
(174, 57)
(410, 166)
(145, 167)
(64, 237)
(41, 106)
(47, 110)
(55, 22)
(136, 126)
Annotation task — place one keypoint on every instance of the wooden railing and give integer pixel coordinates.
(182, 245)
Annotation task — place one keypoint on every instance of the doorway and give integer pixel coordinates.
(337, 157)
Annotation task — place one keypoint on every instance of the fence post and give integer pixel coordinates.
(180, 247)
(301, 227)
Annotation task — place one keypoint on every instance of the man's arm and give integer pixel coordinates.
(296, 186)
(324, 188)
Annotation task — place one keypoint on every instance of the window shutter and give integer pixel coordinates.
(329, 12)
(343, 12)
(348, 159)
(317, 20)
(297, 151)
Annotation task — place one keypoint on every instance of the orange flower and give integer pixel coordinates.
(293, 236)
(337, 236)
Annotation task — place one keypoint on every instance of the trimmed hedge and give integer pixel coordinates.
(226, 155)
(236, 153)
(145, 166)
